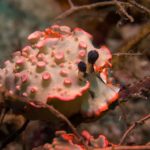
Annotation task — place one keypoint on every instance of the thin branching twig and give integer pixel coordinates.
(123, 11)
(74, 8)
(120, 4)
(53, 110)
(133, 126)
(62, 117)
(139, 6)
(132, 42)
(70, 3)
(135, 88)
(127, 54)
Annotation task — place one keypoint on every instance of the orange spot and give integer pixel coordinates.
(67, 137)
(67, 81)
(41, 64)
(10, 92)
(59, 57)
(24, 78)
(40, 44)
(41, 56)
(20, 61)
(62, 65)
(51, 33)
(26, 49)
(55, 26)
(18, 87)
(86, 135)
(82, 53)
(63, 72)
(33, 89)
(33, 37)
(82, 45)
(46, 76)
(52, 53)
(17, 75)
(25, 94)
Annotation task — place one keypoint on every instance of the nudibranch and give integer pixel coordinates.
(59, 67)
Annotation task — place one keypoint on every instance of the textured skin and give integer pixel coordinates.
(69, 141)
(46, 72)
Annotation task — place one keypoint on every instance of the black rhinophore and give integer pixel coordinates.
(82, 66)
(92, 56)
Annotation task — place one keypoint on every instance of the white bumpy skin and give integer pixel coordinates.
(46, 71)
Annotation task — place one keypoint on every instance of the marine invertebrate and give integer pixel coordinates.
(59, 67)
(65, 140)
